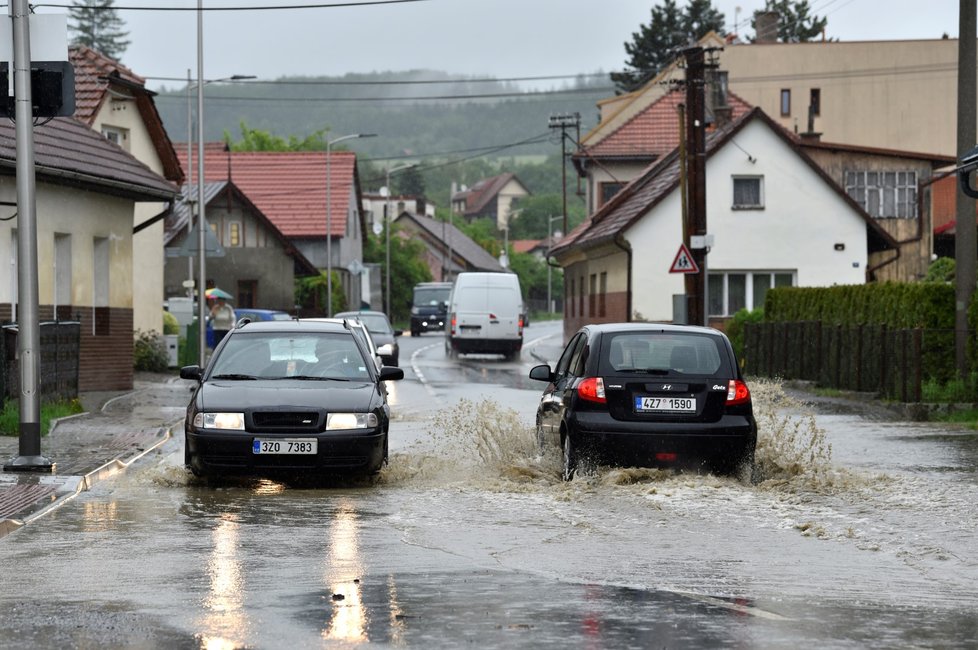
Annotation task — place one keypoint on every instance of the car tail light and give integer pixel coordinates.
(454, 323)
(737, 392)
(521, 325)
(667, 456)
(592, 390)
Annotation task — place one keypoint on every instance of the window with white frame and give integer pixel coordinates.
(234, 233)
(884, 194)
(117, 135)
(748, 192)
(731, 291)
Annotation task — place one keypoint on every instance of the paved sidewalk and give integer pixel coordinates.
(116, 430)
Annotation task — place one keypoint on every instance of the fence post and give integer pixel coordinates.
(903, 363)
(883, 366)
(859, 356)
(917, 349)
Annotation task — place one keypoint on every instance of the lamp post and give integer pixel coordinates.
(190, 162)
(550, 245)
(329, 216)
(387, 267)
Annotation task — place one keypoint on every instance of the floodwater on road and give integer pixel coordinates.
(858, 533)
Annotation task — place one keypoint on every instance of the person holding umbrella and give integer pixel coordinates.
(222, 315)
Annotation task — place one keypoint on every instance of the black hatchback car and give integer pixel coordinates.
(288, 396)
(648, 395)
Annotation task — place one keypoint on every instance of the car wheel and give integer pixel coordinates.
(570, 458)
(196, 467)
(746, 470)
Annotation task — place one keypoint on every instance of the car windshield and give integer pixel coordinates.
(662, 352)
(431, 296)
(283, 355)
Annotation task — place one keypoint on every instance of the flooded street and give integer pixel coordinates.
(860, 533)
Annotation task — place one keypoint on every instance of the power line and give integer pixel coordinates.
(528, 94)
(324, 5)
(394, 82)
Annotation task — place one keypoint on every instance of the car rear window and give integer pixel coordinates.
(663, 352)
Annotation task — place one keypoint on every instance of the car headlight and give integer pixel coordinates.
(219, 421)
(336, 421)
(415, 311)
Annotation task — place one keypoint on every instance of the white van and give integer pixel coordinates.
(485, 315)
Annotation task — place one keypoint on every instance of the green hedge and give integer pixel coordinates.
(898, 305)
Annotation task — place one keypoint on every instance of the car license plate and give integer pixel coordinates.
(284, 446)
(658, 404)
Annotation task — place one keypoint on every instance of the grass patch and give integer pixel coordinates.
(828, 392)
(954, 391)
(967, 417)
(10, 415)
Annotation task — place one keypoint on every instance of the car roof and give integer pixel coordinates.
(354, 314)
(610, 328)
(292, 326)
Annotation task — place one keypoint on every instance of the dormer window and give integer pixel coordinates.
(117, 135)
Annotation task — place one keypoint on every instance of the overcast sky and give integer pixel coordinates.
(501, 38)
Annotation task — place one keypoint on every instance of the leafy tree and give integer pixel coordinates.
(96, 24)
(532, 272)
(311, 292)
(257, 140)
(795, 24)
(409, 182)
(536, 210)
(654, 45)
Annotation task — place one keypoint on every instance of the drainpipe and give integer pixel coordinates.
(622, 244)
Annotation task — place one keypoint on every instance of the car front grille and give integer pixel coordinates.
(287, 421)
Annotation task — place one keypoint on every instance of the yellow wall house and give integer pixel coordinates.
(86, 191)
(114, 102)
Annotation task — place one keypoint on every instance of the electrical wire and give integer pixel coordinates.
(528, 94)
(322, 5)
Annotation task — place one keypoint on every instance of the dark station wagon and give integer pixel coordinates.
(288, 396)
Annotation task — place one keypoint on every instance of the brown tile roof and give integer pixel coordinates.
(479, 195)
(67, 152)
(98, 78)
(462, 245)
(525, 245)
(662, 177)
(653, 132)
(288, 187)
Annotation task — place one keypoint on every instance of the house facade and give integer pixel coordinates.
(777, 219)
(113, 101)
(86, 191)
(257, 264)
(491, 198)
(290, 189)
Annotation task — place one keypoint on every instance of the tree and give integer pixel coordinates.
(409, 182)
(655, 45)
(795, 25)
(96, 24)
(535, 212)
(257, 140)
(407, 269)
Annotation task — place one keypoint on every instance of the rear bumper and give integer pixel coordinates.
(339, 453)
(497, 346)
(725, 442)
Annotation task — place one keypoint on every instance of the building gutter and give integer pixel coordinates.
(620, 242)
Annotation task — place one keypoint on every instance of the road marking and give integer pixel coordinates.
(737, 607)
(417, 369)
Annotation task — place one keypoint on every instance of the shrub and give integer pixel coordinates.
(170, 323)
(149, 352)
(735, 328)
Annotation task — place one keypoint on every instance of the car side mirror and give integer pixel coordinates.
(191, 372)
(542, 373)
(390, 373)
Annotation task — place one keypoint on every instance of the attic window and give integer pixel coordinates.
(117, 135)
(748, 193)
(884, 194)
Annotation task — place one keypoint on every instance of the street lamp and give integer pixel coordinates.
(329, 217)
(550, 245)
(391, 170)
(190, 162)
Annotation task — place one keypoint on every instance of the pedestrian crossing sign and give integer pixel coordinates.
(684, 262)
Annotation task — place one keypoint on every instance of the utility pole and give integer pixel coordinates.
(695, 144)
(563, 122)
(28, 327)
(965, 229)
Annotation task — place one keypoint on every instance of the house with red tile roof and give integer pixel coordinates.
(112, 100)
(490, 197)
(290, 188)
(257, 264)
(776, 217)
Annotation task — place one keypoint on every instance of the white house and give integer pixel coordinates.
(777, 219)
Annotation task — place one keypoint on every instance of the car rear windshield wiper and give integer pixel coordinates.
(232, 375)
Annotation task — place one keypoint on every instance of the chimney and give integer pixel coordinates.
(811, 135)
(766, 26)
